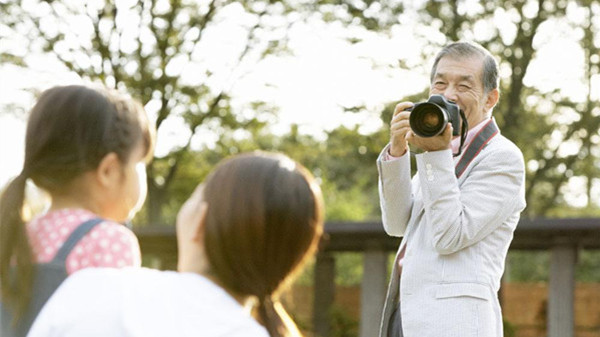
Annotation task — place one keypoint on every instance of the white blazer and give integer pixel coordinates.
(456, 234)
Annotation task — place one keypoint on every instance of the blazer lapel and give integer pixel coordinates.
(418, 205)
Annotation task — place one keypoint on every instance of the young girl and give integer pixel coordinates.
(88, 149)
(241, 237)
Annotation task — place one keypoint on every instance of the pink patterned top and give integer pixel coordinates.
(109, 244)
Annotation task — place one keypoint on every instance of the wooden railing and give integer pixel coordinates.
(564, 238)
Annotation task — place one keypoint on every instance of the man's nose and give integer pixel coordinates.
(450, 94)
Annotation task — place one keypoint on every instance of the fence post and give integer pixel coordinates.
(324, 293)
(372, 291)
(562, 291)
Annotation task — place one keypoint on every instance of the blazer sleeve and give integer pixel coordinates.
(395, 193)
(490, 194)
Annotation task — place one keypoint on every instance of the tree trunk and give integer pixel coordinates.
(154, 203)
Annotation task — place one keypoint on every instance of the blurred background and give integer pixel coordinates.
(318, 80)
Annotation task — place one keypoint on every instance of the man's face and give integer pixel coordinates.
(460, 80)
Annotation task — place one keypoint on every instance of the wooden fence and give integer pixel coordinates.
(564, 238)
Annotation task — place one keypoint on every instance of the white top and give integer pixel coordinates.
(142, 302)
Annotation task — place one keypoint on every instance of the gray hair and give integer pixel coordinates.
(469, 49)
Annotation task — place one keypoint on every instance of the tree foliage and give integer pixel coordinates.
(343, 163)
(159, 52)
(161, 55)
(531, 118)
(557, 150)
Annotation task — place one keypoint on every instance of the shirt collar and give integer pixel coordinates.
(455, 144)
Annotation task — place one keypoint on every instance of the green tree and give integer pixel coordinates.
(158, 51)
(529, 117)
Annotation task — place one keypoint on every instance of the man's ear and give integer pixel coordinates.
(108, 173)
(492, 98)
(198, 226)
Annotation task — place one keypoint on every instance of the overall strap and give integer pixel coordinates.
(73, 239)
(479, 142)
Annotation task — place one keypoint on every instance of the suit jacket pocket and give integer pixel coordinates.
(449, 290)
(464, 310)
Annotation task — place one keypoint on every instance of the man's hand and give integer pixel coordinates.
(399, 128)
(437, 143)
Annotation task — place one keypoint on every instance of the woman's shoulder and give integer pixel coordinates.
(187, 303)
(210, 309)
(90, 302)
(150, 284)
(103, 278)
(191, 302)
(147, 302)
(104, 288)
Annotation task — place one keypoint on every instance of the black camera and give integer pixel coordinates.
(429, 119)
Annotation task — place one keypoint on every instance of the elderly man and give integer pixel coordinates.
(457, 214)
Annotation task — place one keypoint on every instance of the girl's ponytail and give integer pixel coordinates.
(16, 258)
(264, 220)
(275, 319)
(98, 122)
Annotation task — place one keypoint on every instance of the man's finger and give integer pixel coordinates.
(448, 132)
(402, 123)
(402, 106)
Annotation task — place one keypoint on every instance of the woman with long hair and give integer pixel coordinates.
(241, 237)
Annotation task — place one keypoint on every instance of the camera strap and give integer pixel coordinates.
(479, 142)
(464, 129)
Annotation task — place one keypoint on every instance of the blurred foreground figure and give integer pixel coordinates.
(241, 236)
(88, 149)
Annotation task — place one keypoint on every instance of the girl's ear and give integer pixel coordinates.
(198, 226)
(109, 171)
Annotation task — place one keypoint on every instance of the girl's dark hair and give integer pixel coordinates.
(264, 219)
(69, 131)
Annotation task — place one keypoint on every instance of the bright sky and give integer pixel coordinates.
(311, 86)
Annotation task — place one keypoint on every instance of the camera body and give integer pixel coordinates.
(429, 119)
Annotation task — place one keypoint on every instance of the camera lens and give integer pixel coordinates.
(428, 120)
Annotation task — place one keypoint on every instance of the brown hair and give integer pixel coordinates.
(69, 131)
(264, 219)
